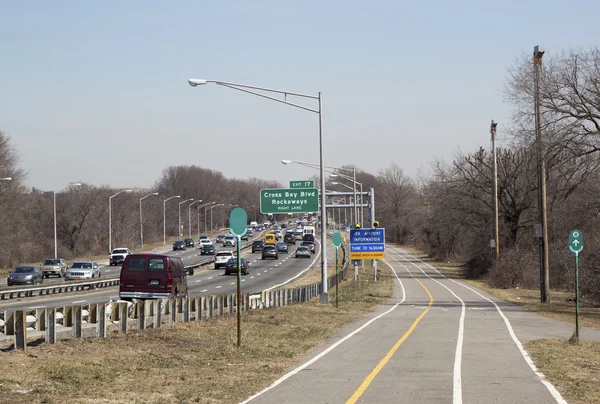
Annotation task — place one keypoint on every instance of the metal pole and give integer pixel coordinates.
(205, 215)
(179, 222)
(496, 231)
(198, 218)
(164, 223)
(141, 227)
(211, 226)
(190, 220)
(373, 262)
(55, 243)
(337, 277)
(362, 210)
(239, 291)
(109, 224)
(324, 295)
(545, 269)
(577, 296)
(354, 190)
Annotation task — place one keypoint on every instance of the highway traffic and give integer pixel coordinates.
(264, 275)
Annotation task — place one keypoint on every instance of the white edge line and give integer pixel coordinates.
(555, 394)
(457, 373)
(79, 301)
(332, 347)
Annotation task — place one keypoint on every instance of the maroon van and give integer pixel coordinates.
(152, 276)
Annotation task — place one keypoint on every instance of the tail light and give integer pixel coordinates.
(169, 282)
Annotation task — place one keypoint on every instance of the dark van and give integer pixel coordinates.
(152, 276)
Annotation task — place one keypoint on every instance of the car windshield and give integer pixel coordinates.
(23, 270)
(82, 265)
(258, 242)
(303, 248)
(281, 244)
(119, 251)
(51, 262)
(207, 246)
(224, 254)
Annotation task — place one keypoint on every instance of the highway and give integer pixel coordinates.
(437, 341)
(206, 281)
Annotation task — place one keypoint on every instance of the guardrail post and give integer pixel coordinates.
(141, 314)
(40, 319)
(123, 317)
(210, 307)
(186, 309)
(172, 311)
(50, 334)
(229, 304)
(20, 324)
(246, 300)
(101, 320)
(179, 305)
(200, 306)
(76, 331)
(67, 316)
(158, 314)
(193, 305)
(151, 307)
(221, 305)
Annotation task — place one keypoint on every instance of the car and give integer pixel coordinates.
(179, 245)
(229, 241)
(54, 266)
(25, 275)
(302, 251)
(188, 242)
(222, 257)
(207, 249)
(118, 255)
(270, 239)
(257, 245)
(232, 266)
(250, 233)
(281, 247)
(244, 237)
(298, 235)
(220, 238)
(152, 276)
(259, 228)
(310, 245)
(203, 242)
(203, 238)
(270, 251)
(83, 270)
(289, 238)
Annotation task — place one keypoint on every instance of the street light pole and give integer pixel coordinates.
(110, 218)
(74, 184)
(165, 217)
(198, 215)
(211, 209)
(538, 53)
(141, 223)
(496, 231)
(251, 90)
(179, 233)
(190, 217)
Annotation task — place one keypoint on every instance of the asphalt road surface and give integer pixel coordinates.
(437, 341)
(206, 281)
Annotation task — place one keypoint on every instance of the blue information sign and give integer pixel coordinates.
(367, 243)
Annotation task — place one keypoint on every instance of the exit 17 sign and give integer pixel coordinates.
(302, 184)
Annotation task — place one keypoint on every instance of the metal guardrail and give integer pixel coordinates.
(8, 294)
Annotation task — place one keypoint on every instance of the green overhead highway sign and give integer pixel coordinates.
(576, 241)
(302, 184)
(289, 200)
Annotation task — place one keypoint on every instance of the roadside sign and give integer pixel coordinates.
(576, 241)
(238, 222)
(367, 243)
(289, 200)
(302, 184)
(336, 239)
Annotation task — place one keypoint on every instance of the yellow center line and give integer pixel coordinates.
(365, 384)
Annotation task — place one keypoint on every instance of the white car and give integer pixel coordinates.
(229, 241)
(117, 256)
(83, 270)
(203, 242)
(222, 257)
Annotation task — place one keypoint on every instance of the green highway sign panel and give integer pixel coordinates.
(336, 239)
(289, 200)
(302, 184)
(238, 222)
(576, 241)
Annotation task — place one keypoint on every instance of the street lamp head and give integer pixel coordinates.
(493, 126)
(6, 179)
(538, 52)
(286, 161)
(333, 175)
(335, 183)
(154, 193)
(127, 190)
(76, 184)
(196, 82)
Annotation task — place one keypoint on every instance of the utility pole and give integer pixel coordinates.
(496, 232)
(543, 233)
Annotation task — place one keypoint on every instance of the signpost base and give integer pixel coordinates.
(324, 298)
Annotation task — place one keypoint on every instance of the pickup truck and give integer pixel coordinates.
(117, 256)
(54, 266)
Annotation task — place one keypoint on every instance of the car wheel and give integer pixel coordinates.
(99, 274)
(192, 271)
(42, 279)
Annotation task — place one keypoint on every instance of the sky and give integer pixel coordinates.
(97, 92)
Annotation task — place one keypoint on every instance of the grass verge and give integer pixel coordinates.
(192, 362)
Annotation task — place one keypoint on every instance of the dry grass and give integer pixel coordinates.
(193, 362)
(558, 308)
(575, 369)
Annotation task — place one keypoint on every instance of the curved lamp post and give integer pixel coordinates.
(141, 224)
(110, 218)
(165, 217)
(190, 217)
(72, 184)
(179, 218)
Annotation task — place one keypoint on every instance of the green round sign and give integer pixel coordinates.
(336, 239)
(238, 222)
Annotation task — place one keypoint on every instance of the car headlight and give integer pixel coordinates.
(28, 276)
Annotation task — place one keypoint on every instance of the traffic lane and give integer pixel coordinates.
(493, 364)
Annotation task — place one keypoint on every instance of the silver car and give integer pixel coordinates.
(83, 270)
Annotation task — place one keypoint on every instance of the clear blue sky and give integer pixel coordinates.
(97, 91)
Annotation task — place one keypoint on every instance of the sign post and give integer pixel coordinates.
(576, 245)
(238, 224)
(336, 239)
